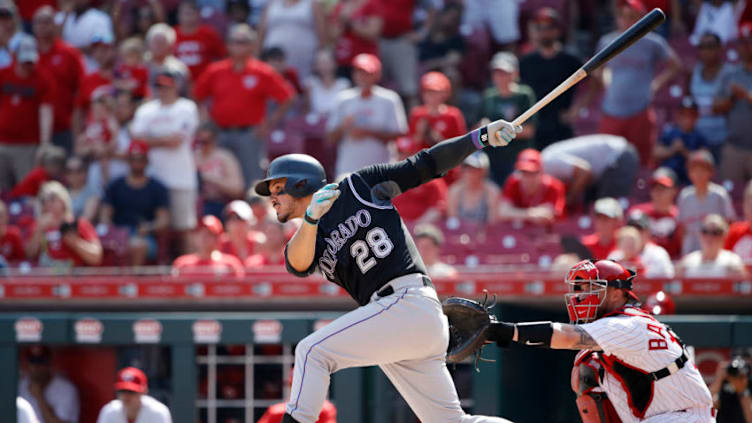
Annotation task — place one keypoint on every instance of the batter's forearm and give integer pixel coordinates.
(302, 247)
(450, 153)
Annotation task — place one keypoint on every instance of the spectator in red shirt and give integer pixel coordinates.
(243, 83)
(50, 168)
(435, 120)
(208, 260)
(26, 114)
(240, 240)
(11, 245)
(104, 54)
(739, 239)
(531, 195)
(662, 211)
(355, 26)
(272, 251)
(425, 203)
(196, 44)
(608, 218)
(58, 239)
(65, 64)
(131, 74)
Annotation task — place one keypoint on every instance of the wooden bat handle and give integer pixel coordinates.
(567, 84)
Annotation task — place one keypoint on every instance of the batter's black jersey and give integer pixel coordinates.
(362, 242)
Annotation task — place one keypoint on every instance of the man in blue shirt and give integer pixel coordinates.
(679, 139)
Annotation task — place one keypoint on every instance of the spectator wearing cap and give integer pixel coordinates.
(544, 69)
(208, 259)
(739, 239)
(160, 43)
(712, 260)
(81, 21)
(51, 161)
(11, 33)
(608, 217)
(53, 397)
(601, 164)
(719, 17)
(26, 114)
(428, 241)
(84, 198)
(220, 177)
(531, 195)
(323, 85)
(11, 243)
(65, 63)
(365, 118)
(635, 246)
(239, 239)
(24, 412)
(704, 85)
(196, 44)
(426, 202)
(139, 203)
(97, 82)
(242, 82)
(735, 102)
(679, 139)
(355, 27)
(700, 199)
(632, 82)
(506, 100)
(168, 124)
(474, 198)
(662, 212)
(434, 120)
(271, 252)
(132, 404)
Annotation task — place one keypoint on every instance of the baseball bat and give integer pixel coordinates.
(626, 39)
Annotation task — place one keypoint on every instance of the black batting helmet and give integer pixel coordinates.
(304, 174)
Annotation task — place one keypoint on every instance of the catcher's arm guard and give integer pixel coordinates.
(468, 327)
(592, 403)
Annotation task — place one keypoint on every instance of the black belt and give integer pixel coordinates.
(668, 371)
(388, 290)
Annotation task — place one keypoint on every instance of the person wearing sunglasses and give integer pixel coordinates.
(712, 260)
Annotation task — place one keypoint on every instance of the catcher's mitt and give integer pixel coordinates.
(468, 323)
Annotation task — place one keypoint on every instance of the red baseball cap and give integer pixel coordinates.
(367, 63)
(407, 145)
(138, 147)
(131, 379)
(663, 176)
(211, 223)
(435, 81)
(529, 160)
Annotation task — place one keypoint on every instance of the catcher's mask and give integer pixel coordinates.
(587, 287)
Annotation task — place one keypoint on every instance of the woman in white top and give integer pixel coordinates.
(712, 260)
(296, 26)
(323, 86)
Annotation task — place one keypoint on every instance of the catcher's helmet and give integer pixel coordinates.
(588, 281)
(304, 174)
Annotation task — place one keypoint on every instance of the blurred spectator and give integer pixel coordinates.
(507, 100)
(167, 124)
(501, 19)
(53, 397)
(443, 47)
(208, 260)
(139, 203)
(730, 390)
(608, 218)
(354, 28)
(84, 199)
(66, 66)
(50, 168)
(81, 21)
(219, 171)
(426, 202)
(365, 118)
(132, 404)
(104, 54)
(11, 33)
(243, 83)
(11, 244)
(474, 198)
(678, 140)
(271, 252)
(711, 260)
(434, 120)
(97, 141)
(604, 164)
(662, 212)
(59, 239)
(275, 57)
(735, 101)
(297, 27)
(160, 42)
(634, 246)
(704, 85)
(133, 18)
(323, 86)
(543, 70)
(739, 239)
(428, 240)
(632, 81)
(196, 44)
(701, 199)
(238, 11)
(26, 114)
(719, 17)
(531, 195)
(24, 412)
(131, 74)
(239, 239)
(262, 210)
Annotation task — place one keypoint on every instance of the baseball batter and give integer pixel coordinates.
(354, 237)
(636, 360)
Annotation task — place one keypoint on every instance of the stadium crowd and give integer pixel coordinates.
(130, 131)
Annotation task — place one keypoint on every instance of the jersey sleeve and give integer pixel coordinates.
(305, 273)
(618, 335)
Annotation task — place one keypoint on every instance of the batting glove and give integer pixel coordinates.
(322, 201)
(502, 132)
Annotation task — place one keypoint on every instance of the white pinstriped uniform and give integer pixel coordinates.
(640, 341)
